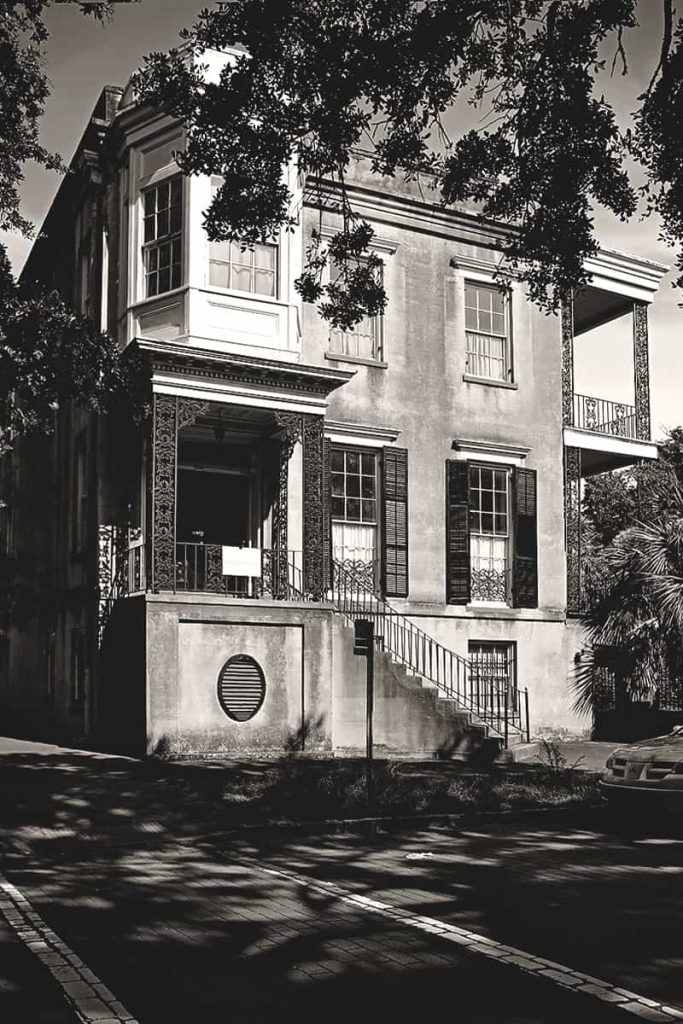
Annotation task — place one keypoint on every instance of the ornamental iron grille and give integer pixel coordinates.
(313, 502)
(572, 500)
(605, 417)
(567, 360)
(493, 677)
(641, 369)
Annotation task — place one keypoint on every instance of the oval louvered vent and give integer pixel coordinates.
(241, 687)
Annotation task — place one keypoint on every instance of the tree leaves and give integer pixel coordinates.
(325, 79)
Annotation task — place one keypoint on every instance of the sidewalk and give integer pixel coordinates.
(28, 994)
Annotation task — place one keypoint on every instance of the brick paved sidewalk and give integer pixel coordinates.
(28, 994)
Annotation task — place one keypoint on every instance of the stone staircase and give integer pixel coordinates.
(424, 706)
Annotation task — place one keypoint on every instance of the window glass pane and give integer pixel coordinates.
(162, 196)
(164, 279)
(338, 483)
(368, 487)
(241, 278)
(264, 281)
(175, 276)
(369, 513)
(501, 502)
(484, 320)
(218, 275)
(175, 219)
(152, 284)
(219, 251)
(501, 524)
(176, 191)
(163, 223)
(152, 259)
(353, 509)
(150, 198)
(487, 501)
(264, 257)
(338, 508)
(497, 300)
(353, 486)
(498, 323)
(337, 459)
(164, 255)
(369, 464)
(352, 462)
(486, 522)
(486, 477)
(149, 228)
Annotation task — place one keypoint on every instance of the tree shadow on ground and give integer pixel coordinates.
(120, 858)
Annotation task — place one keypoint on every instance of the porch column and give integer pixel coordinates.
(572, 509)
(170, 414)
(641, 370)
(567, 321)
(315, 501)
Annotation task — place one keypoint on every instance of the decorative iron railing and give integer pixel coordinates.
(504, 708)
(490, 579)
(199, 568)
(604, 416)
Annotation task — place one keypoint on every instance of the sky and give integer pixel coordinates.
(83, 55)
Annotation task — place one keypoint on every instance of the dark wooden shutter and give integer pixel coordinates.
(525, 536)
(457, 532)
(327, 521)
(395, 522)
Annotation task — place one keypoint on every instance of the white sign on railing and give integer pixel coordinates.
(241, 561)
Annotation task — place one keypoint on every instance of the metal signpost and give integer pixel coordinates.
(364, 644)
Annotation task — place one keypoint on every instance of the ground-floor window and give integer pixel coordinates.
(354, 511)
(493, 673)
(489, 490)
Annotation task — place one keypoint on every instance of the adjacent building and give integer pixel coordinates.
(197, 578)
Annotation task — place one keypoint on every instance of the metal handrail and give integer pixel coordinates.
(501, 711)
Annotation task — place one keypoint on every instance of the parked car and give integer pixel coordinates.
(647, 767)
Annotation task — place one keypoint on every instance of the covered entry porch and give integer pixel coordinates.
(235, 479)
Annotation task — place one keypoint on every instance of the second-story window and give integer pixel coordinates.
(487, 328)
(364, 340)
(245, 270)
(489, 490)
(233, 266)
(163, 212)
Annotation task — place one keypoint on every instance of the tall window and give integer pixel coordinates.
(364, 340)
(163, 205)
(493, 674)
(354, 508)
(244, 270)
(79, 495)
(488, 332)
(489, 490)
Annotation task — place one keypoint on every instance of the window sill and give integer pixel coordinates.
(360, 360)
(488, 604)
(489, 382)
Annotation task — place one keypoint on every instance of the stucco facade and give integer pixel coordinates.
(424, 470)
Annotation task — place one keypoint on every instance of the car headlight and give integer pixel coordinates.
(677, 769)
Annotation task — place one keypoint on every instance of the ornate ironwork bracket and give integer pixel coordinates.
(567, 319)
(641, 369)
(572, 505)
(291, 426)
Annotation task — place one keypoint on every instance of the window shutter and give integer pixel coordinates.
(525, 555)
(457, 532)
(327, 521)
(395, 522)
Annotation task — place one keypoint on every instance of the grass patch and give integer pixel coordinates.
(293, 790)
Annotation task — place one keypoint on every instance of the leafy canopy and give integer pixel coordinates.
(320, 80)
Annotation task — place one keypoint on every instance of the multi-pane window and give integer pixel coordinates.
(353, 476)
(487, 332)
(489, 514)
(244, 270)
(163, 214)
(492, 674)
(364, 340)
(233, 265)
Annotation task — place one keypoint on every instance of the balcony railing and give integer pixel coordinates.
(605, 417)
(199, 568)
